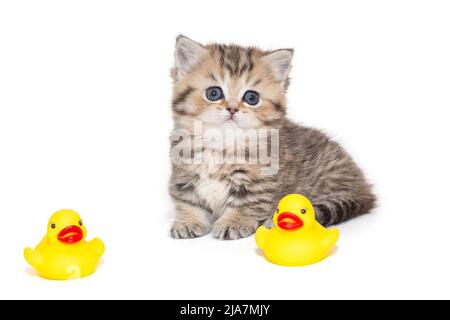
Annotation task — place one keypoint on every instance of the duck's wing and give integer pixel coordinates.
(260, 236)
(331, 236)
(33, 257)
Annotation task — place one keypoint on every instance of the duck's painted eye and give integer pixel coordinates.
(53, 226)
(303, 211)
(251, 97)
(80, 223)
(278, 210)
(214, 93)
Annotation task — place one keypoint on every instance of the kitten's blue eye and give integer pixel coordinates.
(214, 93)
(251, 97)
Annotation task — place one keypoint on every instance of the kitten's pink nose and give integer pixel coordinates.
(232, 110)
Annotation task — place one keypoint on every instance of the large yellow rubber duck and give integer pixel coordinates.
(296, 239)
(63, 253)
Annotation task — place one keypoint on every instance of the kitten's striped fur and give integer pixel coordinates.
(233, 200)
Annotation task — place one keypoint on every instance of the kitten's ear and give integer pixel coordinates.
(281, 62)
(187, 54)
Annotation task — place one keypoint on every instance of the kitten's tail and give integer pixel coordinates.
(336, 210)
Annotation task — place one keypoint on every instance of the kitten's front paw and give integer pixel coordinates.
(234, 229)
(183, 230)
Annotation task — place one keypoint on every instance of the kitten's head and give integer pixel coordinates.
(227, 86)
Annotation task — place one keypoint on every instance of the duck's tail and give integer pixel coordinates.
(260, 236)
(99, 246)
(33, 257)
(331, 238)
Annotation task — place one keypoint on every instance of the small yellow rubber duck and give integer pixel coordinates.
(63, 253)
(297, 239)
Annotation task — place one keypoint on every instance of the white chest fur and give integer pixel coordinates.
(213, 191)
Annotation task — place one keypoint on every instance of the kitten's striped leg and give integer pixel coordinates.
(236, 223)
(190, 221)
(249, 205)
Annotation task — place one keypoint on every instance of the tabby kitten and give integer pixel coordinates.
(232, 87)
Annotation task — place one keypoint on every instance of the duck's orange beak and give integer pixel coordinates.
(70, 235)
(289, 221)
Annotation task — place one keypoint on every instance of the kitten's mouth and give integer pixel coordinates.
(289, 221)
(231, 121)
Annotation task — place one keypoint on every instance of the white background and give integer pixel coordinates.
(85, 117)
